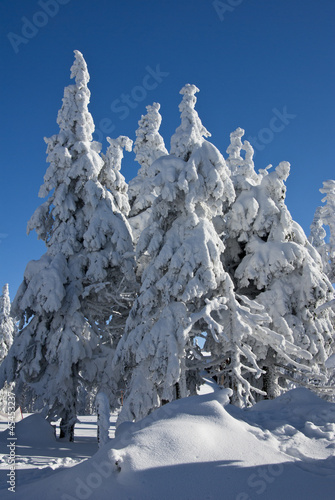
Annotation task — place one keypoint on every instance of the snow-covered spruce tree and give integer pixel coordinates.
(111, 300)
(110, 175)
(61, 301)
(242, 169)
(190, 133)
(181, 252)
(325, 216)
(7, 323)
(317, 238)
(149, 146)
(7, 333)
(235, 326)
(108, 234)
(271, 261)
(328, 219)
(185, 290)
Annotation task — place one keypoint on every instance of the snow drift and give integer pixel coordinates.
(203, 448)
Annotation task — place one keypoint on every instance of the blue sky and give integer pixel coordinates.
(264, 65)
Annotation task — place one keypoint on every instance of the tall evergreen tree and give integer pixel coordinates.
(271, 261)
(185, 289)
(89, 252)
(182, 263)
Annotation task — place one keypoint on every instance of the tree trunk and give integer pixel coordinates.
(103, 413)
(270, 378)
(67, 428)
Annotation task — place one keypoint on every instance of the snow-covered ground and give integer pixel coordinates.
(199, 448)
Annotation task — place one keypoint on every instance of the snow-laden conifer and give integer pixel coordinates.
(108, 239)
(7, 332)
(179, 252)
(185, 289)
(69, 293)
(325, 216)
(317, 238)
(149, 146)
(317, 233)
(7, 323)
(110, 175)
(271, 261)
(240, 161)
(191, 131)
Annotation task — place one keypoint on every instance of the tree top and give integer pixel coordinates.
(79, 70)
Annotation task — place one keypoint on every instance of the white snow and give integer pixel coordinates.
(195, 448)
(217, 255)
(330, 363)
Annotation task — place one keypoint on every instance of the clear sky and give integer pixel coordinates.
(264, 65)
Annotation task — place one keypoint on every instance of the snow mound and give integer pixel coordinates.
(195, 429)
(302, 424)
(296, 407)
(203, 448)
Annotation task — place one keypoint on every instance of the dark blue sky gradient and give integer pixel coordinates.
(253, 61)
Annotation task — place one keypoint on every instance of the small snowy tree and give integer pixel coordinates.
(149, 146)
(242, 169)
(7, 323)
(69, 294)
(7, 333)
(110, 175)
(317, 231)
